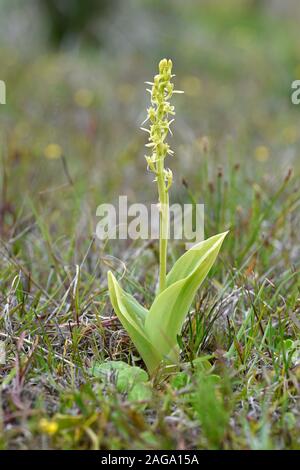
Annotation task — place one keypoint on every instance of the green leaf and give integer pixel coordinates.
(180, 380)
(131, 314)
(126, 376)
(202, 363)
(140, 392)
(167, 314)
(191, 259)
(137, 311)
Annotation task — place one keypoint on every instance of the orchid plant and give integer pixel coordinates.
(154, 332)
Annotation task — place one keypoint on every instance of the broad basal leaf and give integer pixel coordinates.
(167, 314)
(132, 316)
(124, 375)
(191, 259)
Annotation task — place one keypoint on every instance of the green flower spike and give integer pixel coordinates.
(154, 332)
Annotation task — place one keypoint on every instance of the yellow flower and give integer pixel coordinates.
(262, 153)
(83, 97)
(48, 426)
(53, 151)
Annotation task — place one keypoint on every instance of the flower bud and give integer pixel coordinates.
(162, 66)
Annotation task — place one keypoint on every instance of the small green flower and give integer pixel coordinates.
(158, 114)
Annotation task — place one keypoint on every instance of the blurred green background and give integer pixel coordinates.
(75, 75)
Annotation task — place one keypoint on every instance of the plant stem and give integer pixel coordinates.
(163, 224)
